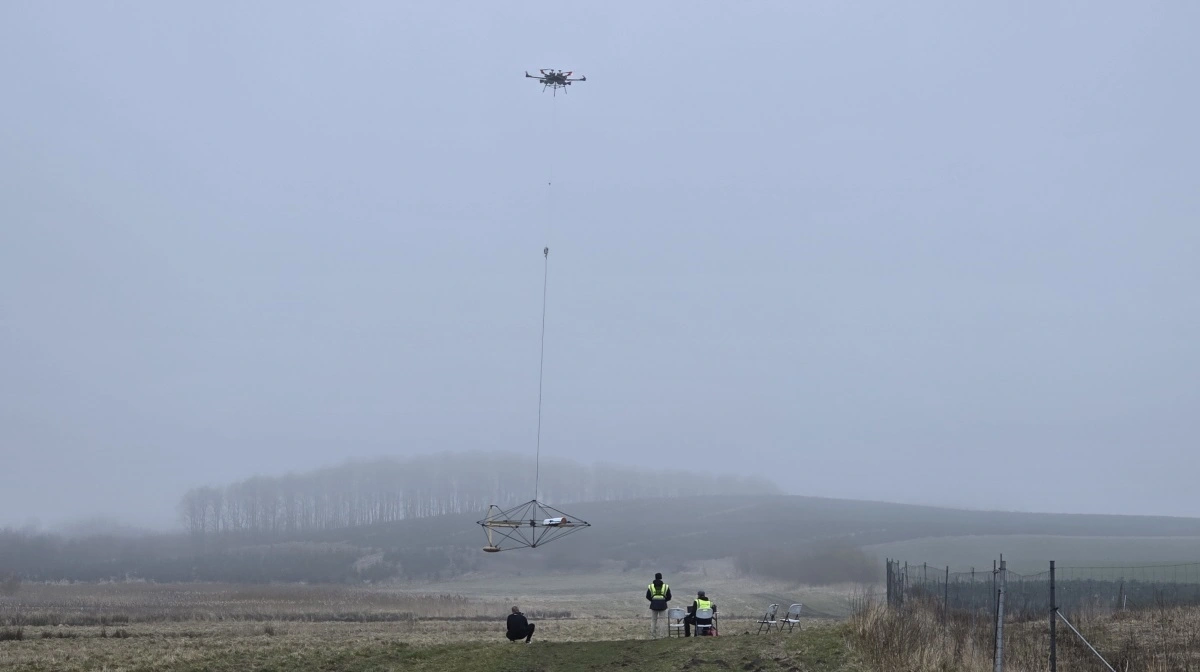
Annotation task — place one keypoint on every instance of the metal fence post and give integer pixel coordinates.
(998, 658)
(1053, 624)
(973, 607)
(994, 568)
(946, 597)
(888, 575)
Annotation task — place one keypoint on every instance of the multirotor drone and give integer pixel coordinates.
(555, 79)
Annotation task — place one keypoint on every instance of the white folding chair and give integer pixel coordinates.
(675, 621)
(705, 627)
(768, 618)
(792, 617)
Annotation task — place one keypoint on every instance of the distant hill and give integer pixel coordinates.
(664, 532)
(720, 526)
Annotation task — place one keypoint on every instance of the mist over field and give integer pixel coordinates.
(340, 336)
(864, 252)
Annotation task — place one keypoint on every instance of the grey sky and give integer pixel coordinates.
(927, 252)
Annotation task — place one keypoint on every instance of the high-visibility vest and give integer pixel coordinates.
(702, 603)
(658, 592)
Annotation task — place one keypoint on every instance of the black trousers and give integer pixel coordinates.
(527, 634)
(689, 621)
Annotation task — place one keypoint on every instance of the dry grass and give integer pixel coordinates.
(143, 626)
(916, 638)
(587, 644)
(125, 603)
(613, 592)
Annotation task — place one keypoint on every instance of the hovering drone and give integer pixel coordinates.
(555, 79)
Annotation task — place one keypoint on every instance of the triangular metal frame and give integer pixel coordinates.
(527, 525)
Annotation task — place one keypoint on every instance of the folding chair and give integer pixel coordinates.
(768, 619)
(703, 629)
(675, 621)
(792, 617)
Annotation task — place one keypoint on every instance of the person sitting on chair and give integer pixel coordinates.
(519, 627)
(701, 602)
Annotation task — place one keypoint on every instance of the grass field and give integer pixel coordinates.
(592, 621)
(596, 621)
(359, 648)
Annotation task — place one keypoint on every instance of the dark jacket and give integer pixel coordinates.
(658, 604)
(517, 623)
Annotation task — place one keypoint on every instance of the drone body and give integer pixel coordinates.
(555, 79)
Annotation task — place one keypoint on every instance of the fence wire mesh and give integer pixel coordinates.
(1137, 617)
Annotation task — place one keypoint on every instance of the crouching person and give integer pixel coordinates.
(519, 627)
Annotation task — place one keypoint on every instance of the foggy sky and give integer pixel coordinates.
(928, 252)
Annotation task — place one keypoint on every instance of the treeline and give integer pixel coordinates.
(389, 490)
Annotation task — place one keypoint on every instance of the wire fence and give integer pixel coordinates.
(1104, 617)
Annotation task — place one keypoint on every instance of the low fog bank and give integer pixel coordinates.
(400, 521)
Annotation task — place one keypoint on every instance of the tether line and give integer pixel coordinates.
(537, 463)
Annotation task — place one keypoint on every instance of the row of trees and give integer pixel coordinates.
(388, 490)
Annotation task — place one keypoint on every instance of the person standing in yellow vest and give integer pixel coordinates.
(659, 594)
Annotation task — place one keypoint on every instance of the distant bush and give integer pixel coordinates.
(10, 585)
(822, 565)
(12, 634)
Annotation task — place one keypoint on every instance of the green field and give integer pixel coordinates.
(817, 649)
(585, 621)
(596, 619)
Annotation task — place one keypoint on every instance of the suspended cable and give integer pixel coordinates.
(534, 523)
(537, 462)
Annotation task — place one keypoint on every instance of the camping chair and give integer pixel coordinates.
(675, 621)
(768, 618)
(792, 617)
(702, 629)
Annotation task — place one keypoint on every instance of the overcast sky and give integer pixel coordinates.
(933, 252)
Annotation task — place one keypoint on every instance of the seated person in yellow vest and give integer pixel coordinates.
(518, 627)
(659, 595)
(702, 602)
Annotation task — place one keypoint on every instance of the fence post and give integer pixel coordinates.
(994, 568)
(946, 597)
(973, 591)
(998, 658)
(1053, 624)
(888, 579)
